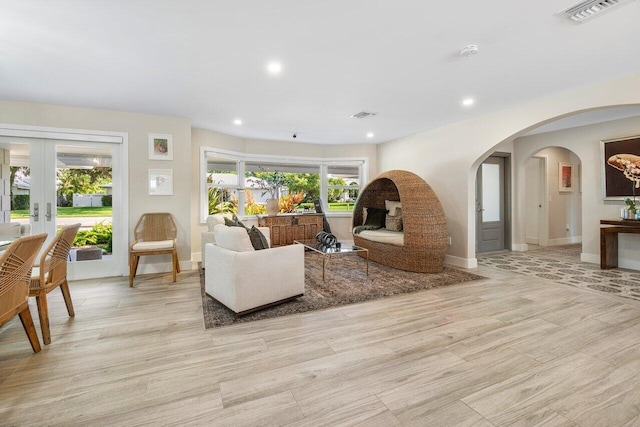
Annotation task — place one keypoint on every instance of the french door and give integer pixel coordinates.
(66, 182)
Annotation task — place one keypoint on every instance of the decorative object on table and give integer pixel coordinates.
(620, 167)
(160, 146)
(565, 177)
(630, 211)
(161, 182)
(317, 204)
(326, 239)
(272, 183)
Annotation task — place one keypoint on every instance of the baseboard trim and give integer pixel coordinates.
(590, 258)
(461, 262)
(565, 241)
(532, 240)
(520, 247)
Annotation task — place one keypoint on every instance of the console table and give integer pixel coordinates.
(285, 228)
(609, 239)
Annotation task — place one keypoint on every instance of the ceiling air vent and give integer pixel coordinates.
(362, 115)
(588, 9)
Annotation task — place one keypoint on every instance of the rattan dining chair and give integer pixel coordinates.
(15, 271)
(155, 234)
(53, 273)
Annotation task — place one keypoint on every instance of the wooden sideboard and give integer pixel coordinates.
(609, 239)
(285, 228)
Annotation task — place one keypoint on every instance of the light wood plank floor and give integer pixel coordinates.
(508, 350)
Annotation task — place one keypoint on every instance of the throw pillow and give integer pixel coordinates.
(234, 222)
(9, 230)
(392, 207)
(258, 240)
(232, 238)
(393, 223)
(375, 217)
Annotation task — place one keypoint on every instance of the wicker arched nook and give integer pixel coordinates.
(424, 223)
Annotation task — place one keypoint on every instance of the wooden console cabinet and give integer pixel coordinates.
(285, 228)
(609, 240)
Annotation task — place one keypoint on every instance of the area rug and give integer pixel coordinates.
(562, 264)
(346, 283)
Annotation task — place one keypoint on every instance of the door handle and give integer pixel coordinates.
(480, 210)
(36, 212)
(48, 214)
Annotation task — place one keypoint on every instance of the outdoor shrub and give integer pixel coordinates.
(99, 235)
(20, 202)
(107, 200)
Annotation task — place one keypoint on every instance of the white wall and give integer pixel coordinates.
(138, 126)
(585, 142)
(563, 209)
(448, 157)
(340, 224)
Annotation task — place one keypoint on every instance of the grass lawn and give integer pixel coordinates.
(70, 212)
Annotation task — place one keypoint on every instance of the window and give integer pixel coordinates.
(242, 184)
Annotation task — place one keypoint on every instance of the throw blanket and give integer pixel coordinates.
(361, 228)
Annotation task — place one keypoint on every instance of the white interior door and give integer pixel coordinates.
(45, 163)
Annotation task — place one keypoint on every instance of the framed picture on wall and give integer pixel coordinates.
(160, 146)
(621, 168)
(161, 182)
(565, 176)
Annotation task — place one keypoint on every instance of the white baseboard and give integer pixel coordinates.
(532, 240)
(565, 241)
(631, 264)
(461, 262)
(590, 258)
(520, 247)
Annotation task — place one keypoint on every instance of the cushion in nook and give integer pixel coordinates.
(233, 238)
(392, 206)
(393, 223)
(375, 217)
(258, 240)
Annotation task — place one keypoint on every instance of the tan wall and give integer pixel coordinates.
(340, 225)
(448, 157)
(137, 126)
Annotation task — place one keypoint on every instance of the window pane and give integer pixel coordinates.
(222, 200)
(490, 192)
(343, 183)
(299, 185)
(222, 171)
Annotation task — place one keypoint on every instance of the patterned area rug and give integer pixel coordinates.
(346, 283)
(562, 264)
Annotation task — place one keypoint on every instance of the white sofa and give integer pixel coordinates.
(14, 230)
(245, 280)
(208, 236)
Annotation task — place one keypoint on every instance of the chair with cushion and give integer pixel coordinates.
(244, 279)
(155, 234)
(15, 272)
(52, 272)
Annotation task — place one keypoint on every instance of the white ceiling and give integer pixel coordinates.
(206, 60)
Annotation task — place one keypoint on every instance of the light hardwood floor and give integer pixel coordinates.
(508, 350)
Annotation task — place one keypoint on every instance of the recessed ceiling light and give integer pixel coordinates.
(274, 67)
(468, 102)
(370, 135)
(237, 122)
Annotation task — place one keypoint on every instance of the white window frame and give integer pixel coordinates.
(241, 158)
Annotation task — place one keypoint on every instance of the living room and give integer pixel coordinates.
(446, 153)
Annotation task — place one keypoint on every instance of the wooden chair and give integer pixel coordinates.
(53, 273)
(155, 234)
(15, 271)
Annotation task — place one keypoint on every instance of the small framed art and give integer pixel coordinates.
(161, 182)
(565, 176)
(160, 146)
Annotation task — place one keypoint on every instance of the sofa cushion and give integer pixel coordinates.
(10, 230)
(375, 217)
(258, 240)
(391, 206)
(233, 238)
(213, 220)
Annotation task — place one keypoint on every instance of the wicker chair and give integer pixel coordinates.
(15, 270)
(424, 223)
(155, 234)
(53, 273)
